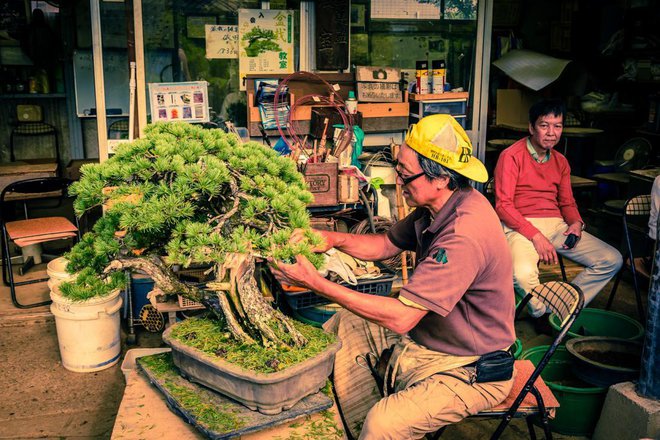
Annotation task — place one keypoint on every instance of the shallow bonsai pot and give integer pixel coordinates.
(604, 361)
(269, 393)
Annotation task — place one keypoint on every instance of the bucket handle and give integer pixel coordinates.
(114, 308)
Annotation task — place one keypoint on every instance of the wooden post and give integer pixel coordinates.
(99, 85)
(401, 213)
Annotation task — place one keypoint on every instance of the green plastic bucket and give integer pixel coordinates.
(580, 403)
(598, 322)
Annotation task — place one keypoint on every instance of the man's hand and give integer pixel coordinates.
(302, 273)
(298, 235)
(545, 249)
(576, 229)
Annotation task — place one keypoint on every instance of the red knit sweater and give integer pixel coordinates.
(526, 188)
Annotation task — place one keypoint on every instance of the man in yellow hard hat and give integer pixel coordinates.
(457, 306)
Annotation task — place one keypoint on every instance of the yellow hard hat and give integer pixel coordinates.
(443, 140)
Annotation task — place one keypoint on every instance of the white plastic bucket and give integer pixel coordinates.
(57, 273)
(88, 331)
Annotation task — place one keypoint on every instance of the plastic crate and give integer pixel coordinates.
(381, 286)
(185, 303)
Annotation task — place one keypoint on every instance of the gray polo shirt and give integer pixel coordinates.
(464, 276)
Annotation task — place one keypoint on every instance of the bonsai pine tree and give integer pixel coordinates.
(260, 41)
(185, 195)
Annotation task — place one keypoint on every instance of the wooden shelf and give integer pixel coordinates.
(32, 95)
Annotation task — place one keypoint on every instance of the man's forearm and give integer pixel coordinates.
(368, 247)
(385, 311)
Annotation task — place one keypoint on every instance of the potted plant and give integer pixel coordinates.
(182, 195)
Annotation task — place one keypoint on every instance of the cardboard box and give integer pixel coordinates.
(513, 108)
(321, 181)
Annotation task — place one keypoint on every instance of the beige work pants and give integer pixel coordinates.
(422, 408)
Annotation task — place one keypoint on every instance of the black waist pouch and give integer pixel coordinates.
(494, 367)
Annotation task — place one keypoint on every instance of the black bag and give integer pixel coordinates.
(494, 367)
(380, 371)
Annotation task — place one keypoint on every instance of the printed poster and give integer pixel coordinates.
(181, 101)
(265, 39)
(221, 41)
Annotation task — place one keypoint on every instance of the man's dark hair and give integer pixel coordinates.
(434, 170)
(546, 107)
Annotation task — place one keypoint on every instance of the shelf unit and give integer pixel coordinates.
(454, 104)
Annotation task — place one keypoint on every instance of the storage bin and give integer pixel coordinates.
(446, 107)
(380, 286)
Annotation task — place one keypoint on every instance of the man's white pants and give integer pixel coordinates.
(601, 260)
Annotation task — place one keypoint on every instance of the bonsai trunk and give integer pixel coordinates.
(235, 298)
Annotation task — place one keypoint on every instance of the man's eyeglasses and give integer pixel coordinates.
(408, 179)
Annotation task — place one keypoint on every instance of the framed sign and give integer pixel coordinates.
(265, 41)
(378, 84)
(181, 101)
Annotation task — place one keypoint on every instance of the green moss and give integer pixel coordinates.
(219, 419)
(212, 338)
(324, 428)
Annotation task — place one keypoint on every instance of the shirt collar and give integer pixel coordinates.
(535, 155)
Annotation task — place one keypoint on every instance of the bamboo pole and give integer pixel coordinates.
(401, 213)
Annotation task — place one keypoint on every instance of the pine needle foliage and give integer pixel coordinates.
(193, 195)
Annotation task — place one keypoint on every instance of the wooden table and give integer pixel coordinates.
(641, 181)
(15, 171)
(648, 175)
(143, 413)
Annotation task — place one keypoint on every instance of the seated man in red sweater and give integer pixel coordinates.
(534, 200)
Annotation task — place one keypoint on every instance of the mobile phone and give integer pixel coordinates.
(571, 241)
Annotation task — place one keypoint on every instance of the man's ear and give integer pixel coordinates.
(530, 127)
(442, 182)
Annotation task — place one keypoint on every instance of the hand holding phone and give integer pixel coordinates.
(571, 241)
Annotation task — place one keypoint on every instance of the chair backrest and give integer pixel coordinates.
(32, 189)
(566, 301)
(638, 205)
(636, 212)
(118, 129)
(24, 129)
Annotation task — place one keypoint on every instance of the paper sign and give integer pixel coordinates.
(184, 101)
(221, 41)
(265, 39)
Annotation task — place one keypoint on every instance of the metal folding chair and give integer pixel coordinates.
(32, 231)
(566, 301)
(636, 212)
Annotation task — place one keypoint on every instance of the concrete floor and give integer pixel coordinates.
(41, 399)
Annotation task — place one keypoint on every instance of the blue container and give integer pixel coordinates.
(141, 285)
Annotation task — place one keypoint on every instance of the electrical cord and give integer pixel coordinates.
(377, 225)
(333, 99)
